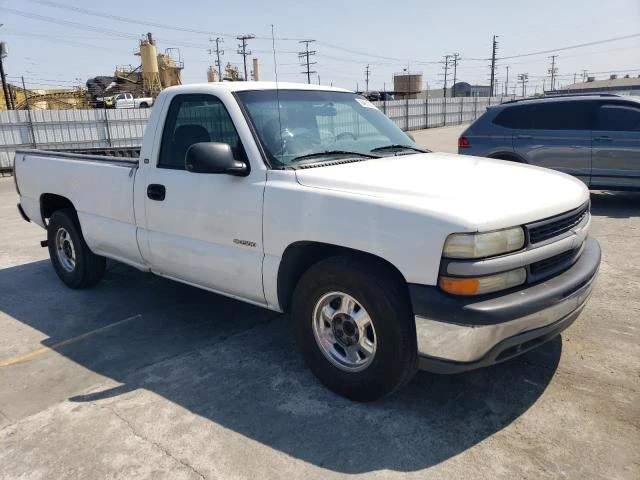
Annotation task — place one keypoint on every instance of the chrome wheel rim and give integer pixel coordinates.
(344, 331)
(65, 250)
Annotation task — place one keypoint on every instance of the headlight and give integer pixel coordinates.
(482, 285)
(480, 245)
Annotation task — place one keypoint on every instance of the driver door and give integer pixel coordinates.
(204, 229)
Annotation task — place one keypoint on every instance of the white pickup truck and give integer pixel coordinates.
(308, 199)
(127, 100)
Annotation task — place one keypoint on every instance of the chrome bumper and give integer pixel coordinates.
(460, 334)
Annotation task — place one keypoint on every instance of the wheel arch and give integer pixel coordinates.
(509, 156)
(51, 202)
(299, 256)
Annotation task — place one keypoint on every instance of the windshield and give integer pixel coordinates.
(316, 126)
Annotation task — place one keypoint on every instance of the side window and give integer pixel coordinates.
(618, 118)
(194, 118)
(574, 115)
(516, 116)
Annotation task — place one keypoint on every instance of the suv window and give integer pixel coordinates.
(194, 118)
(574, 115)
(515, 116)
(618, 118)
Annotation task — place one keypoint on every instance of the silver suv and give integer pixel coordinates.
(593, 137)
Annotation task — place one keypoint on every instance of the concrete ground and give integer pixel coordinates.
(145, 378)
(444, 139)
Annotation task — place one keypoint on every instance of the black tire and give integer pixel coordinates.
(144, 105)
(89, 268)
(382, 293)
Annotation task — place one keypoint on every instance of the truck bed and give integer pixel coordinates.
(127, 156)
(100, 188)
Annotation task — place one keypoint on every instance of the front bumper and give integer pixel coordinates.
(455, 334)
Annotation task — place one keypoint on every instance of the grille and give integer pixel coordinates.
(552, 227)
(552, 263)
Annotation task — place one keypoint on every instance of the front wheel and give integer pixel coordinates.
(354, 327)
(75, 264)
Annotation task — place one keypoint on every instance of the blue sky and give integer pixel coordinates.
(389, 36)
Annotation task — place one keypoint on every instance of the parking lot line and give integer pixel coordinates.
(42, 350)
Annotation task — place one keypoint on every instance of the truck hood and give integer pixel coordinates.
(475, 193)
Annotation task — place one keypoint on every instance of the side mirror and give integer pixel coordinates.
(211, 157)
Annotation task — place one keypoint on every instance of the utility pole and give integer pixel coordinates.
(26, 100)
(553, 70)
(446, 69)
(367, 72)
(524, 78)
(8, 100)
(493, 65)
(506, 83)
(574, 78)
(242, 50)
(305, 55)
(218, 52)
(456, 58)
(585, 75)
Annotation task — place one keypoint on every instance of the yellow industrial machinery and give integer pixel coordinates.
(150, 72)
(56, 99)
(212, 74)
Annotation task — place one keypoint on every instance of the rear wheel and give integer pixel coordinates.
(144, 105)
(355, 328)
(75, 264)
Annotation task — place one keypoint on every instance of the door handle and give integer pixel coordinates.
(157, 192)
(524, 137)
(603, 138)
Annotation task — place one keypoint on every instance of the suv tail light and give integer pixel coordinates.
(463, 142)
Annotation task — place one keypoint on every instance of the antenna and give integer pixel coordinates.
(275, 69)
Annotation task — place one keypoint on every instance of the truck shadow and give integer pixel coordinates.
(237, 365)
(615, 204)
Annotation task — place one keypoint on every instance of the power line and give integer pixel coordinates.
(523, 78)
(367, 72)
(456, 58)
(506, 83)
(242, 50)
(446, 68)
(219, 52)
(306, 55)
(145, 23)
(553, 71)
(570, 47)
(494, 50)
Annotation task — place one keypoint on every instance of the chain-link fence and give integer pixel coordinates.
(83, 129)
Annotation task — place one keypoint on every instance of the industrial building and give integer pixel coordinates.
(464, 89)
(627, 84)
(407, 85)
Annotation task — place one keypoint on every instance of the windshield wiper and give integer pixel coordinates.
(397, 146)
(327, 153)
